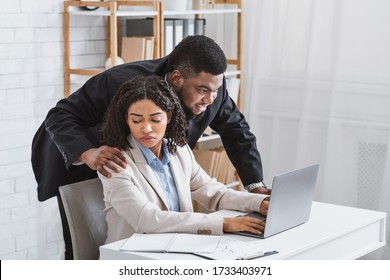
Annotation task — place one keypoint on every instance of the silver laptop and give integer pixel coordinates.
(290, 202)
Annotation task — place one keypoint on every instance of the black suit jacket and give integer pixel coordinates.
(73, 125)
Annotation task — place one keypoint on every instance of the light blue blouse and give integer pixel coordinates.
(163, 173)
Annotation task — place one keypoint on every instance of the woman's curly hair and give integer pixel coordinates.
(115, 128)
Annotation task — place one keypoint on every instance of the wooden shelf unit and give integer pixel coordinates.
(111, 10)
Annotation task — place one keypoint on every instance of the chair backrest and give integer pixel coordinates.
(84, 209)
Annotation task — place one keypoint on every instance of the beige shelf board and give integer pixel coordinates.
(107, 13)
(232, 73)
(202, 12)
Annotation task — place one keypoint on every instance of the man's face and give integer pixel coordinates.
(198, 92)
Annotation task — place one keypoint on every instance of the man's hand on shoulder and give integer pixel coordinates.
(104, 156)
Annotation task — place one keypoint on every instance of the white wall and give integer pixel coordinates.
(317, 89)
(31, 82)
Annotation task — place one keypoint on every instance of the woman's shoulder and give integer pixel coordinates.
(185, 155)
(184, 150)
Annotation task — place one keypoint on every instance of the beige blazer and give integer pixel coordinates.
(135, 201)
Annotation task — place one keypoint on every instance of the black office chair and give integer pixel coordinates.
(84, 209)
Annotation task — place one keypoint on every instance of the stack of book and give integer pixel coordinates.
(138, 44)
(216, 163)
(175, 29)
(137, 48)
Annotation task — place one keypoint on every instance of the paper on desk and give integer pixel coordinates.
(233, 249)
(172, 242)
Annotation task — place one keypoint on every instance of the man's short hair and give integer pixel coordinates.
(195, 54)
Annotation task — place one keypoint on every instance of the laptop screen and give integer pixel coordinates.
(290, 202)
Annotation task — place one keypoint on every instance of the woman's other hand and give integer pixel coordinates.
(247, 224)
(264, 207)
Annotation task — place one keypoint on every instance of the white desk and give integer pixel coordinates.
(333, 232)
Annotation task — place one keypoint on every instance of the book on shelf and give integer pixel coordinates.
(178, 31)
(188, 27)
(205, 159)
(149, 48)
(139, 27)
(175, 29)
(168, 36)
(137, 48)
(231, 173)
(200, 26)
(216, 163)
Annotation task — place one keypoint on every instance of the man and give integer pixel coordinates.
(67, 146)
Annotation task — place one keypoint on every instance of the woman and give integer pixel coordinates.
(154, 193)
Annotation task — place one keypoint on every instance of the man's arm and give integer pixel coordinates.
(75, 122)
(239, 142)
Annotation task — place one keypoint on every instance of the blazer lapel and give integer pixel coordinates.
(146, 170)
(182, 184)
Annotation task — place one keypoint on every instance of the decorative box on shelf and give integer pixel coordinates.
(203, 4)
